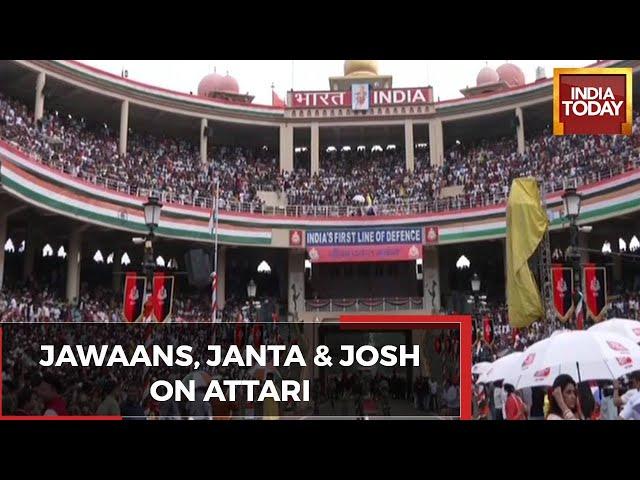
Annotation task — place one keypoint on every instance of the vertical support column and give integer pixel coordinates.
(408, 145)
(3, 239)
(286, 147)
(204, 138)
(436, 142)
(296, 281)
(520, 130)
(116, 271)
(124, 126)
(617, 271)
(39, 106)
(29, 253)
(73, 266)
(431, 279)
(222, 275)
(315, 148)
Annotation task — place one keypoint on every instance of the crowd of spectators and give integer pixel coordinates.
(376, 178)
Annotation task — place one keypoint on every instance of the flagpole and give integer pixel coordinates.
(215, 249)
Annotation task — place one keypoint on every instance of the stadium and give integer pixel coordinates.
(361, 199)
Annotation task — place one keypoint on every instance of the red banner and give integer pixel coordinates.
(377, 98)
(134, 288)
(365, 253)
(595, 281)
(162, 296)
(562, 291)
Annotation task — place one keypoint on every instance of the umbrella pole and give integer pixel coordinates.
(578, 367)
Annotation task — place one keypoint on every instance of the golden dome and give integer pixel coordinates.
(360, 68)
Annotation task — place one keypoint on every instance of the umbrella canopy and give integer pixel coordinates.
(585, 355)
(505, 368)
(358, 198)
(629, 329)
(480, 367)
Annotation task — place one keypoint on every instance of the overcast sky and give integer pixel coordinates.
(256, 76)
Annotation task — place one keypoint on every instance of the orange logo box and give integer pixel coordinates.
(592, 101)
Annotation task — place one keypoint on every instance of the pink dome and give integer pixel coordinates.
(511, 74)
(217, 83)
(230, 85)
(487, 75)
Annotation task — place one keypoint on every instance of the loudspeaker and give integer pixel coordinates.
(199, 267)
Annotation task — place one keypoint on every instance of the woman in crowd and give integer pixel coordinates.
(515, 408)
(563, 403)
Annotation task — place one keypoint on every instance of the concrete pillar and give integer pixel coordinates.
(3, 239)
(124, 126)
(31, 244)
(39, 107)
(296, 279)
(520, 130)
(117, 277)
(408, 145)
(222, 275)
(617, 271)
(73, 265)
(204, 138)
(436, 142)
(286, 147)
(315, 148)
(431, 279)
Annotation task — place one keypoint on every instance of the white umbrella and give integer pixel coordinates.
(505, 368)
(627, 328)
(585, 355)
(358, 198)
(480, 367)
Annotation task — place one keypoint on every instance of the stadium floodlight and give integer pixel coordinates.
(462, 263)
(331, 148)
(8, 246)
(152, 209)
(125, 260)
(61, 252)
(160, 261)
(606, 247)
(634, 244)
(361, 148)
(346, 148)
(376, 148)
(264, 267)
(110, 259)
(47, 251)
(98, 258)
(622, 245)
(391, 147)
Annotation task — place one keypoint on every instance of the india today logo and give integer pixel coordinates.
(529, 360)
(541, 374)
(617, 347)
(592, 101)
(626, 362)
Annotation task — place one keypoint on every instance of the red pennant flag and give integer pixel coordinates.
(276, 101)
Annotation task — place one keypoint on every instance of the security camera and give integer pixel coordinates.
(137, 240)
(586, 228)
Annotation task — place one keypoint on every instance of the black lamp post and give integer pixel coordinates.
(475, 288)
(152, 210)
(571, 200)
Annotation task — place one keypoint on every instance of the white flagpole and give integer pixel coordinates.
(215, 249)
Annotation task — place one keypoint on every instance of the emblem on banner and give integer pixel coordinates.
(432, 234)
(313, 254)
(413, 252)
(561, 287)
(295, 238)
(134, 294)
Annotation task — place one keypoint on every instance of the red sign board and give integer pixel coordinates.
(365, 253)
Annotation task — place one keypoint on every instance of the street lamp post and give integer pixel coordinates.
(475, 288)
(571, 201)
(152, 209)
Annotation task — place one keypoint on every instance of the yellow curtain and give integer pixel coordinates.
(526, 224)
